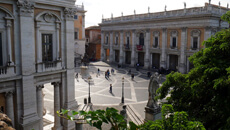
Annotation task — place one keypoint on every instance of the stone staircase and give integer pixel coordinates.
(134, 116)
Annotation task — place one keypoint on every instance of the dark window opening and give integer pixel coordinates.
(127, 46)
(47, 48)
(75, 17)
(156, 42)
(107, 39)
(141, 39)
(195, 42)
(1, 51)
(116, 40)
(174, 42)
(75, 35)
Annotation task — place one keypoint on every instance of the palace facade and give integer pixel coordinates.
(36, 47)
(163, 39)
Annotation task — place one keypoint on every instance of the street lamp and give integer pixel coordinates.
(89, 99)
(122, 98)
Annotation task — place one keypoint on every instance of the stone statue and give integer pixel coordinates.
(184, 4)
(219, 3)
(153, 86)
(165, 7)
(209, 1)
(227, 6)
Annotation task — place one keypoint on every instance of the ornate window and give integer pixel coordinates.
(173, 39)
(195, 39)
(47, 47)
(127, 40)
(75, 16)
(116, 39)
(141, 39)
(107, 40)
(156, 36)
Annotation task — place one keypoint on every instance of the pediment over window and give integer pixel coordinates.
(8, 15)
(174, 33)
(48, 16)
(195, 32)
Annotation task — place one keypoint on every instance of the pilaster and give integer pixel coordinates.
(40, 104)
(182, 66)
(147, 44)
(57, 120)
(133, 49)
(121, 60)
(111, 47)
(102, 44)
(164, 44)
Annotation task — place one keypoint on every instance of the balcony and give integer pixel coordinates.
(116, 46)
(7, 71)
(48, 66)
(140, 47)
(106, 45)
(126, 47)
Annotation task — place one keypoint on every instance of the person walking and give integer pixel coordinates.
(132, 76)
(98, 72)
(110, 88)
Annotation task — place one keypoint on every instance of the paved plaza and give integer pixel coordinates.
(135, 91)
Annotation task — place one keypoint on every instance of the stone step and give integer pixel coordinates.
(134, 116)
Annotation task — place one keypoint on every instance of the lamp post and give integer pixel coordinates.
(89, 98)
(122, 98)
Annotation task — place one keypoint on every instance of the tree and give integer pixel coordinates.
(204, 93)
(172, 121)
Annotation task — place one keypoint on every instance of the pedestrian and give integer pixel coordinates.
(132, 75)
(112, 71)
(76, 75)
(98, 72)
(110, 88)
(106, 75)
(129, 71)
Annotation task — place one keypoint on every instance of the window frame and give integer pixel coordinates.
(174, 37)
(76, 36)
(52, 47)
(156, 34)
(142, 39)
(195, 34)
(75, 17)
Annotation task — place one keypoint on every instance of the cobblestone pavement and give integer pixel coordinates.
(135, 91)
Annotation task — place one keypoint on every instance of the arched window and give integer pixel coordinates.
(156, 38)
(141, 39)
(195, 39)
(173, 39)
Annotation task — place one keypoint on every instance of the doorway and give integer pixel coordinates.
(173, 62)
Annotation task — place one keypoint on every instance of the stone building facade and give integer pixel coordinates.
(79, 33)
(163, 39)
(93, 42)
(36, 47)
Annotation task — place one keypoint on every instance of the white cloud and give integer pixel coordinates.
(95, 8)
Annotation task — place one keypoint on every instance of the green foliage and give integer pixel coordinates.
(98, 117)
(204, 92)
(172, 121)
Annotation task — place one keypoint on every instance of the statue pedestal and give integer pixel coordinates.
(84, 72)
(149, 114)
(152, 113)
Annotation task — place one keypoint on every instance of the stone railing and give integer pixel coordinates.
(48, 66)
(181, 12)
(7, 71)
(116, 46)
(80, 7)
(127, 47)
(140, 47)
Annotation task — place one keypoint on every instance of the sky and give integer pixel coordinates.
(96, 8)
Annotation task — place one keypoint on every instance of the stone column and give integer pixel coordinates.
(57, 121)
(121, 60)
(10, 106)
(68, 56)
(38, 44)
(111, 48)
(57, 41)
(133, 49)
(9, 48)
(147, 44)
(102, 44)
(40, 104)
(28, 108)
(182, 66)
(164, 45)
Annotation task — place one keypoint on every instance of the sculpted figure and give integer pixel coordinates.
(153, 86)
